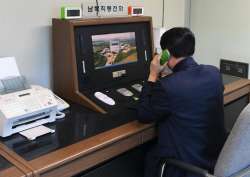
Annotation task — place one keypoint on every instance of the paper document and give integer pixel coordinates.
(8, 67)
(35, 132)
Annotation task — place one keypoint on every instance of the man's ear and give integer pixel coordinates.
(171, 62)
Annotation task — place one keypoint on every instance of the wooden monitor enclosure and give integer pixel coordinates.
(65, 71)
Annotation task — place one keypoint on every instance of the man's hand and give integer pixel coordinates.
(155, 69)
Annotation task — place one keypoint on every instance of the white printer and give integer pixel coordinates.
(23, 106)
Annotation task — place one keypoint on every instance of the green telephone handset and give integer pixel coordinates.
(165, 56)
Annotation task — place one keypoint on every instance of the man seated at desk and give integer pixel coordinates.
(186, 105)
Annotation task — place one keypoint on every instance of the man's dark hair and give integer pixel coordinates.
(179, 41)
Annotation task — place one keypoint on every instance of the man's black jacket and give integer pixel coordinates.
(188, 108)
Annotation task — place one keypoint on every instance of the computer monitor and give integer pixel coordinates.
(111, 54)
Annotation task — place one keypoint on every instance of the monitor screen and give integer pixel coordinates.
(114, 49)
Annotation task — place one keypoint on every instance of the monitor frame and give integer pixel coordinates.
(89, 76)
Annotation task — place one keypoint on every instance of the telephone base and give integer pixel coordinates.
(117, 99)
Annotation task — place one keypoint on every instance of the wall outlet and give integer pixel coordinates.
(234, 68)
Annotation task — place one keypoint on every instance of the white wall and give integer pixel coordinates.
(222, 30)
(25, 31)
(176, 13)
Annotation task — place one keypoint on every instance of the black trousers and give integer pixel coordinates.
(152, 163)
(152, 166)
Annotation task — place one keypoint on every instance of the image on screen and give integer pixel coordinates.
(114, 49)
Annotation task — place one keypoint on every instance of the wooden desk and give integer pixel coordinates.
(11, 167)
(236, 90)
(87, 153)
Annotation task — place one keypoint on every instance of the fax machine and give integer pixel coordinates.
(25, 109)
(23, 106)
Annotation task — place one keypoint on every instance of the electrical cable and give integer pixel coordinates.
(97, 8)
(163, 13)
(60, 115)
